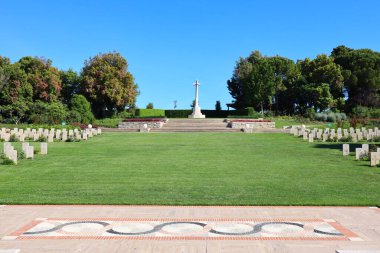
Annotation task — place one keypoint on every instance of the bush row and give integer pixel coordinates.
(330, 117)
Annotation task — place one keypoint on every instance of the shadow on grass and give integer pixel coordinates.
(338, 146)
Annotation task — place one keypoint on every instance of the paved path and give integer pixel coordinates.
(100, 228)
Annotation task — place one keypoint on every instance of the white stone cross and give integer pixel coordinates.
(196, 110)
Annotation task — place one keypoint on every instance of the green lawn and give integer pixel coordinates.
(191, 169)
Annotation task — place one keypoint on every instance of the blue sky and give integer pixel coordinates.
(169, 44)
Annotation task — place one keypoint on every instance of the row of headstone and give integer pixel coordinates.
(27, 149)
(10, 152)
(327, 133)
(362, 152)
(50, 135)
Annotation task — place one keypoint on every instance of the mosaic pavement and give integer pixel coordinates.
(183, 229)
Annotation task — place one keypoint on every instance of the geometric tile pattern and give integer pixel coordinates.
(183, 229)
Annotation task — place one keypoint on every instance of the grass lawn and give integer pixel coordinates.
(191, 169)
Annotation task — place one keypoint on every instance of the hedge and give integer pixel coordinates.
(210, 113)
(177, 113)
(150, 112)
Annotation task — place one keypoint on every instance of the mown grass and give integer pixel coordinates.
(191, 169)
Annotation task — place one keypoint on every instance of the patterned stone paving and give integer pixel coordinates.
(183, 229)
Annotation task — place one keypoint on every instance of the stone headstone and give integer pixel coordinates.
(12, 155)
(346, 149)
(64, 136)
(365, 148)
(374, 159)
(21, 137)
(7, 137)
(311, 137)
(58, 135)
(354, 137)
(25, 146)
(30, 152)
(359, 153)
(325, 137)
(50, 138)
(6, 147)
(44, 148)
(360, 136)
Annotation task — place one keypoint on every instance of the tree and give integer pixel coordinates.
(361, 71)
(43, 77)
(218, 107)
(192, 105)
(282, 68)
(80, 105)
(107, 84)
(149, 105)
(252, 83)
(70, 84)
(15, 112)
(13, 83)
(321, 87)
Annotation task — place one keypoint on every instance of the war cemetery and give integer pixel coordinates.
(164, 145)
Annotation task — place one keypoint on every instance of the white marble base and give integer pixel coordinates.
(197, 114)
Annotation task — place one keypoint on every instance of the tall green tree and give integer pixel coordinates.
(322, 85)
(43, 77)
(252, 83)
(282, 69)
(107, 84)
(80, 105)
(14, 85)
(361, 70)
(70, 84)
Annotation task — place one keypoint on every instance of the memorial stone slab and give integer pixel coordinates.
(30, 152)
(359, 153)
(365, 148)
(374, 159)
(44, 148)
(346, 149)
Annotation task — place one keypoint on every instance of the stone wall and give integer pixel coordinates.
(253, 125)
(140, 124)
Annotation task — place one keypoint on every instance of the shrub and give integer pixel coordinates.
(7, 161)
(72, 139)
(150, 112)
(360, 111)
(375, 113)
(42, 139)
(108, 122)
(331, 117)
(346, 139)
(48, 113)
(74, 116)
(80, 104)
(21, 155)
(123, 114)
(13, 138)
